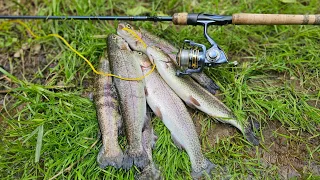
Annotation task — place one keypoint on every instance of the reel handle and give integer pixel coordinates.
(275, 19)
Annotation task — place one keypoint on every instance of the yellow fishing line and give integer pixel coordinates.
(136, 36)
(79, 54)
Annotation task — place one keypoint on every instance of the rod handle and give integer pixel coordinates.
(274, 19)
(180, 18)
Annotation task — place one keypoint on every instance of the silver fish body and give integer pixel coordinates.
(140, 39)
(150, 172)
(109, 118)
(131, 97)
(172, 111)
(194, 95)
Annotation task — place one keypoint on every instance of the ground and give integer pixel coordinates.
(48, 121)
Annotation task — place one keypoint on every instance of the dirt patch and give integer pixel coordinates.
(211, 131)
(290, 151)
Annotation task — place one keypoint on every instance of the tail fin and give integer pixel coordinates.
(104, 160)
(205, 171)
(150, 172)
(250, 136)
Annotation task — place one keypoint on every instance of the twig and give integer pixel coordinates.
(4, 91)
(6, 78)
(71, 166)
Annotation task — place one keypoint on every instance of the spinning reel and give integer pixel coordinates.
(193, 60)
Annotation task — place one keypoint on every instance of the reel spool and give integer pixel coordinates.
(193, 60)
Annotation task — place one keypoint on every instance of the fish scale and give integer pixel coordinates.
(109, 118)
(132, 98)
(152, 40)
(196, 96)
(172, 111)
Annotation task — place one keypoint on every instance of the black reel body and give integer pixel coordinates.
(195, 59)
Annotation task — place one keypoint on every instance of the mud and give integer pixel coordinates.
(285, 149)
(290, 151)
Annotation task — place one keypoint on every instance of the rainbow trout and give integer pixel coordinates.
(109, 118)
(149, 140)
(172, 111)
(140, 39)
(194, 95)
(131, 97)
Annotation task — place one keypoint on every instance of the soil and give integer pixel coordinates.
(291, 156)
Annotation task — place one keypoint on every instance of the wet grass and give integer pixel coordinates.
(48, 121)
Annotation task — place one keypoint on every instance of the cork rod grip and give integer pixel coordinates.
(180, 18)
(274, 19)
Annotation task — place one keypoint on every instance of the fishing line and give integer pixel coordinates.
(135, 35)
(79, 54)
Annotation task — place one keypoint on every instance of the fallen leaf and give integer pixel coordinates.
(36, 48)
(18, 53)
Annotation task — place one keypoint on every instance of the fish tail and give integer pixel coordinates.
(250, 136)
(127, 162)
(105, 160)
(138, 159)
(149, 172)
(206, 170)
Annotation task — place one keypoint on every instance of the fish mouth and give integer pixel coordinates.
(120, 27)
(119, 41)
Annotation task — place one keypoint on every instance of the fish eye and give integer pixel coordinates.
(140, 53)
(128, 26)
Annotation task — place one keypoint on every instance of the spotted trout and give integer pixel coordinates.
(131, 97)
(194, 95)
(140, 39)
(109, 118)
(173, 113)
(148, 141)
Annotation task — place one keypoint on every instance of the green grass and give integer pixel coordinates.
(48, 122)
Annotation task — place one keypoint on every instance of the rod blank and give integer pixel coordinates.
(105, 18)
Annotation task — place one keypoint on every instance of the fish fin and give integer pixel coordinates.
(127, 161)
(176, 142)
(250, 136)
(146, 91)
(104, 160)
(158, 112)
(99, 134)
(206, 82)
(125, 47)
(141, 160)
(149, 172)
(137, 157)
(255, 125)
(206, 171)
(154, 139)
(193, 101)
(120, 125)
(190, 105)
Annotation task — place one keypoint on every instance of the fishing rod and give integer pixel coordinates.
(193, 60)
